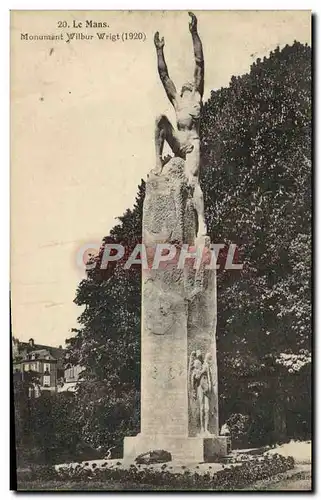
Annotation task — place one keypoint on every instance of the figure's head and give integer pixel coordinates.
(197, 364)
(199, 356)
(208, 358)
(188, 87)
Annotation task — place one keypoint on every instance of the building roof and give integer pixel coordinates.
(42, 354)
(55, 353)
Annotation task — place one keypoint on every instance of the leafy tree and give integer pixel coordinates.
(22, 384)
(108, 344)
(256, 149)
(54, 431)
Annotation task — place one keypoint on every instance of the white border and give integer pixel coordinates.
(4, 184)
(164, 5)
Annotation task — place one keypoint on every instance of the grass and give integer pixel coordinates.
(78, 486)
(295, 480)
(228, 479)
(95, 486)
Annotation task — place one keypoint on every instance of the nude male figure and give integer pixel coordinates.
(184, 141)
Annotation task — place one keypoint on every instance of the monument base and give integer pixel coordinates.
(183, 449)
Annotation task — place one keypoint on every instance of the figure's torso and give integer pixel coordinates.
(188, 110)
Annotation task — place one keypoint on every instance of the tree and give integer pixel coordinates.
(107, 345)
(55, 433)
(256, 149)
(23, 382)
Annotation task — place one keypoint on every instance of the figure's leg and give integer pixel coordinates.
(159, 144)
(206, 414)
(164, 131)
(198, 200)
(201, 403)
(192, 165)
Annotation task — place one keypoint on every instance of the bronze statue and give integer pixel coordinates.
(184, 141)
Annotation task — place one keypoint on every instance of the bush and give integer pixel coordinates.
(239, 426)
(229, 478)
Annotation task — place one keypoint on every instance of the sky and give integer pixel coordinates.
(82, 132)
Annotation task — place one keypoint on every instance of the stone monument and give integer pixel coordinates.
(179, 391)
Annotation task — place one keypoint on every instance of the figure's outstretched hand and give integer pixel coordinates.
(193, 22)
(159, 43)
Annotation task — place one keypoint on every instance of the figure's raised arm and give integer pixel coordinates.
(198, 54)
(162, 69)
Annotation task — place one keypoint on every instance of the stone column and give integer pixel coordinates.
(178, 320)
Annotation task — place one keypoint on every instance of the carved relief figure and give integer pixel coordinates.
(201, 386)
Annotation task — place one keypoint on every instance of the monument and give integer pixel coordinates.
(179, 391)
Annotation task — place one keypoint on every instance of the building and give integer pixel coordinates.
(47, 363)
(71, 377)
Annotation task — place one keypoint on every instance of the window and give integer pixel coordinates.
(26, 367)
(46, 380)
(46, 367)
(70, 373)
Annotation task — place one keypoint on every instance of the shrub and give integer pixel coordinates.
(229, 478)
(239, 427)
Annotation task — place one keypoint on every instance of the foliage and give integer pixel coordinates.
(256, 150)
(49, 433)
(231, 477)
(22, 409)
(54, 430)
(108, 343)
(239, 427)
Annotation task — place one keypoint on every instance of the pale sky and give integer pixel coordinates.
(83, 128)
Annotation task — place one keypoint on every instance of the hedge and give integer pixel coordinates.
(230, 477)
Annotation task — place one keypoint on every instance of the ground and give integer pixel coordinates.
(299, 450)
(297, 479)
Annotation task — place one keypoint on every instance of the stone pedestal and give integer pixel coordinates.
(178, 331)
(182, 449)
